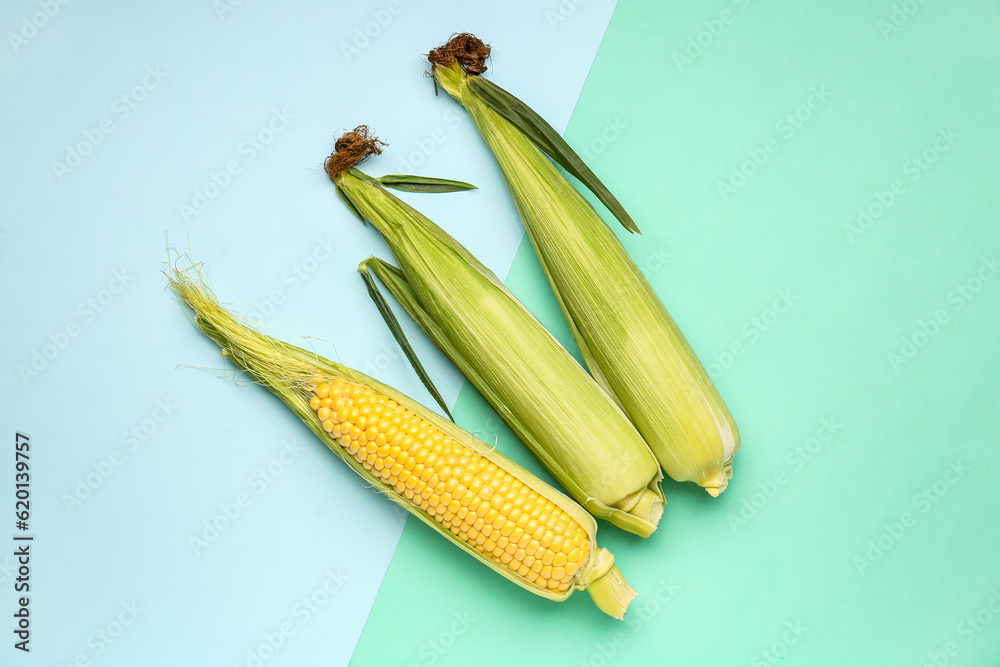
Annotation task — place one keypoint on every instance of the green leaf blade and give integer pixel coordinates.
(408, 183)
(350, 205)
(397, 332)
(547, 139)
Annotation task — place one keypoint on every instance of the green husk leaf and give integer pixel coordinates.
(397, 332)
(350, 205)
(547, 139)
(408, 183)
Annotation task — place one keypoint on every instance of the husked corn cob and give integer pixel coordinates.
(483, 502)
(480, 502)
(629, 341)
(550, 402)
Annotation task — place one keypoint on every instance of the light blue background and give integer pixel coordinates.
(123, 357)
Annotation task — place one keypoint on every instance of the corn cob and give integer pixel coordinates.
(629, 341)
(480, 500)
(532, 382)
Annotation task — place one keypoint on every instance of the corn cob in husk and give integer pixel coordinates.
(478, 499)
(629, 341)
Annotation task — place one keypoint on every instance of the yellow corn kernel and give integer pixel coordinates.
(497, 533)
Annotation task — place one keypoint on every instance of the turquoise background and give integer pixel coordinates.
(861, 526)
(859, 357)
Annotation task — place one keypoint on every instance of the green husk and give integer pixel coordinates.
(397, 331)
(545, 137)
(292, 373)
(629, 341)
(407, 183)
(567, 421)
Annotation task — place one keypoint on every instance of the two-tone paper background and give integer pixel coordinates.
(817, 190)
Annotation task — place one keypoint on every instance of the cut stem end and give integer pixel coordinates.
(608, 588)
(642, 511)
(716, 483)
